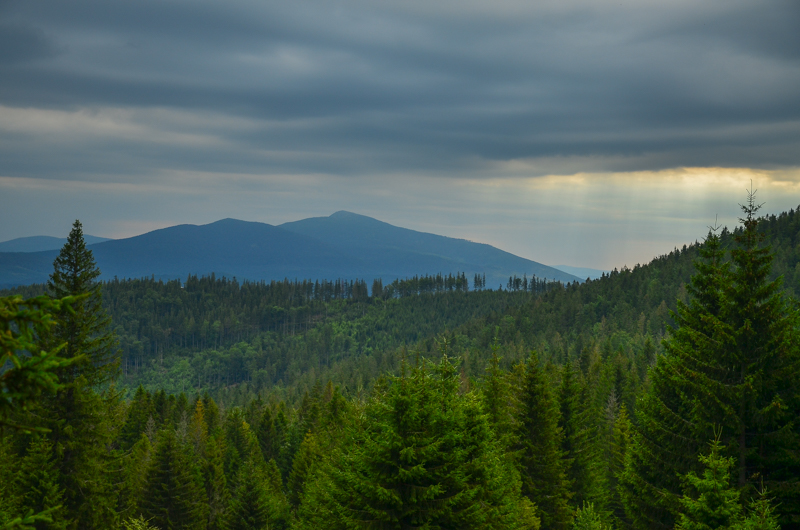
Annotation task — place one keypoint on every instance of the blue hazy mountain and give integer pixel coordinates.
(399, 252)
(344, 245)
(581, 272)
(40, 243)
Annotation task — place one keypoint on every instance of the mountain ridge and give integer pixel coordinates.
(342, 245)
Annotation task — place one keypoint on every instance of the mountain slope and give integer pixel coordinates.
(40, 243)
(398, 252)
(341, 246)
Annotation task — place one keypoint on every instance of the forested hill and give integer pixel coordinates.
(219, 335)
(344, 245)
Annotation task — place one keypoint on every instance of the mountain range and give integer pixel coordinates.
(342, 245)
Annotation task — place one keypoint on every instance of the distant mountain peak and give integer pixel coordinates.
(345, 214)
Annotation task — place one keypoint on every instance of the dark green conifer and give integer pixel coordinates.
(267, 435)
(173, 496)
(423, 457)
(139, 411)
(81, 415)
(250, 507)
(132, 482)
(216, 485)
(576, 443)
(541, 461)
(710, 501)
(38, 485)
(733, 361)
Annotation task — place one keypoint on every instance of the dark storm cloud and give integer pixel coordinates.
(381, 87)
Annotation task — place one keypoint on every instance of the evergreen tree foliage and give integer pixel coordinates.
(586, 518)
(618, 443)
(308, 453)
(541, 461)
(139, 411)
(710, 502)
(173, 496)
(268, 436)
(85, 331)
(576, 442)
(732, 361)
(132, 482)
(81, 417)
(216, 487)
(30, 368)
(250, 507)
(137, 523)
(37, 482)
(499, 401)
(423, 457)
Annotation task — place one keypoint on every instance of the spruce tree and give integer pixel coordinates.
(733, 361)
(710, 501)
(173, 496)
(139, 411)
(38, 485)
(217, 494)
(80, 415)
(423, 457)
(541, 461)
(85, 331)
(576, 442)
(249, 508)
(132, 482)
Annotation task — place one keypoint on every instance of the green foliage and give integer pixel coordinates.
(173, 494)
(37, 482)
(30, 369)
(576, 442)
(586, 518)
(539, 439)
(710, 501)
(424, 455)
(138, 523)
(85, 331)
(732, 361)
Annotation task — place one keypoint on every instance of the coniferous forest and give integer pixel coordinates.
(661, 396)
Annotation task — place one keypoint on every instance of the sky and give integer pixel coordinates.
(596, 134)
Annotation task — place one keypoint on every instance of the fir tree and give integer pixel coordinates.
(85, 331)
(216, 485)
(267, 435)
(81, 414)
(132, 481)
(732, 361)
(424, 457)
(710, 501)
(579, 457)
(587, 518)
(173, 497)
(541, 461)
(250, 507)
(37, 482)
(139, 411)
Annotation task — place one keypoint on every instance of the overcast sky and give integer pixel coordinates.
(584, 133)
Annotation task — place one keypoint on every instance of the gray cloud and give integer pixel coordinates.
(373, 87)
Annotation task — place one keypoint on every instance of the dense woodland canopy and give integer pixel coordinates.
(659, 396)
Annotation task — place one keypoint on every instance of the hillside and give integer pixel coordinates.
(343, 245)
(230, 338)
(41, 243)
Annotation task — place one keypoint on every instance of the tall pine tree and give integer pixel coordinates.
(541, 461)
(81, 415)
(733, 362)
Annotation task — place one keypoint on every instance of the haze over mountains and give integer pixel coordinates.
(40, 243)
(343, 245)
